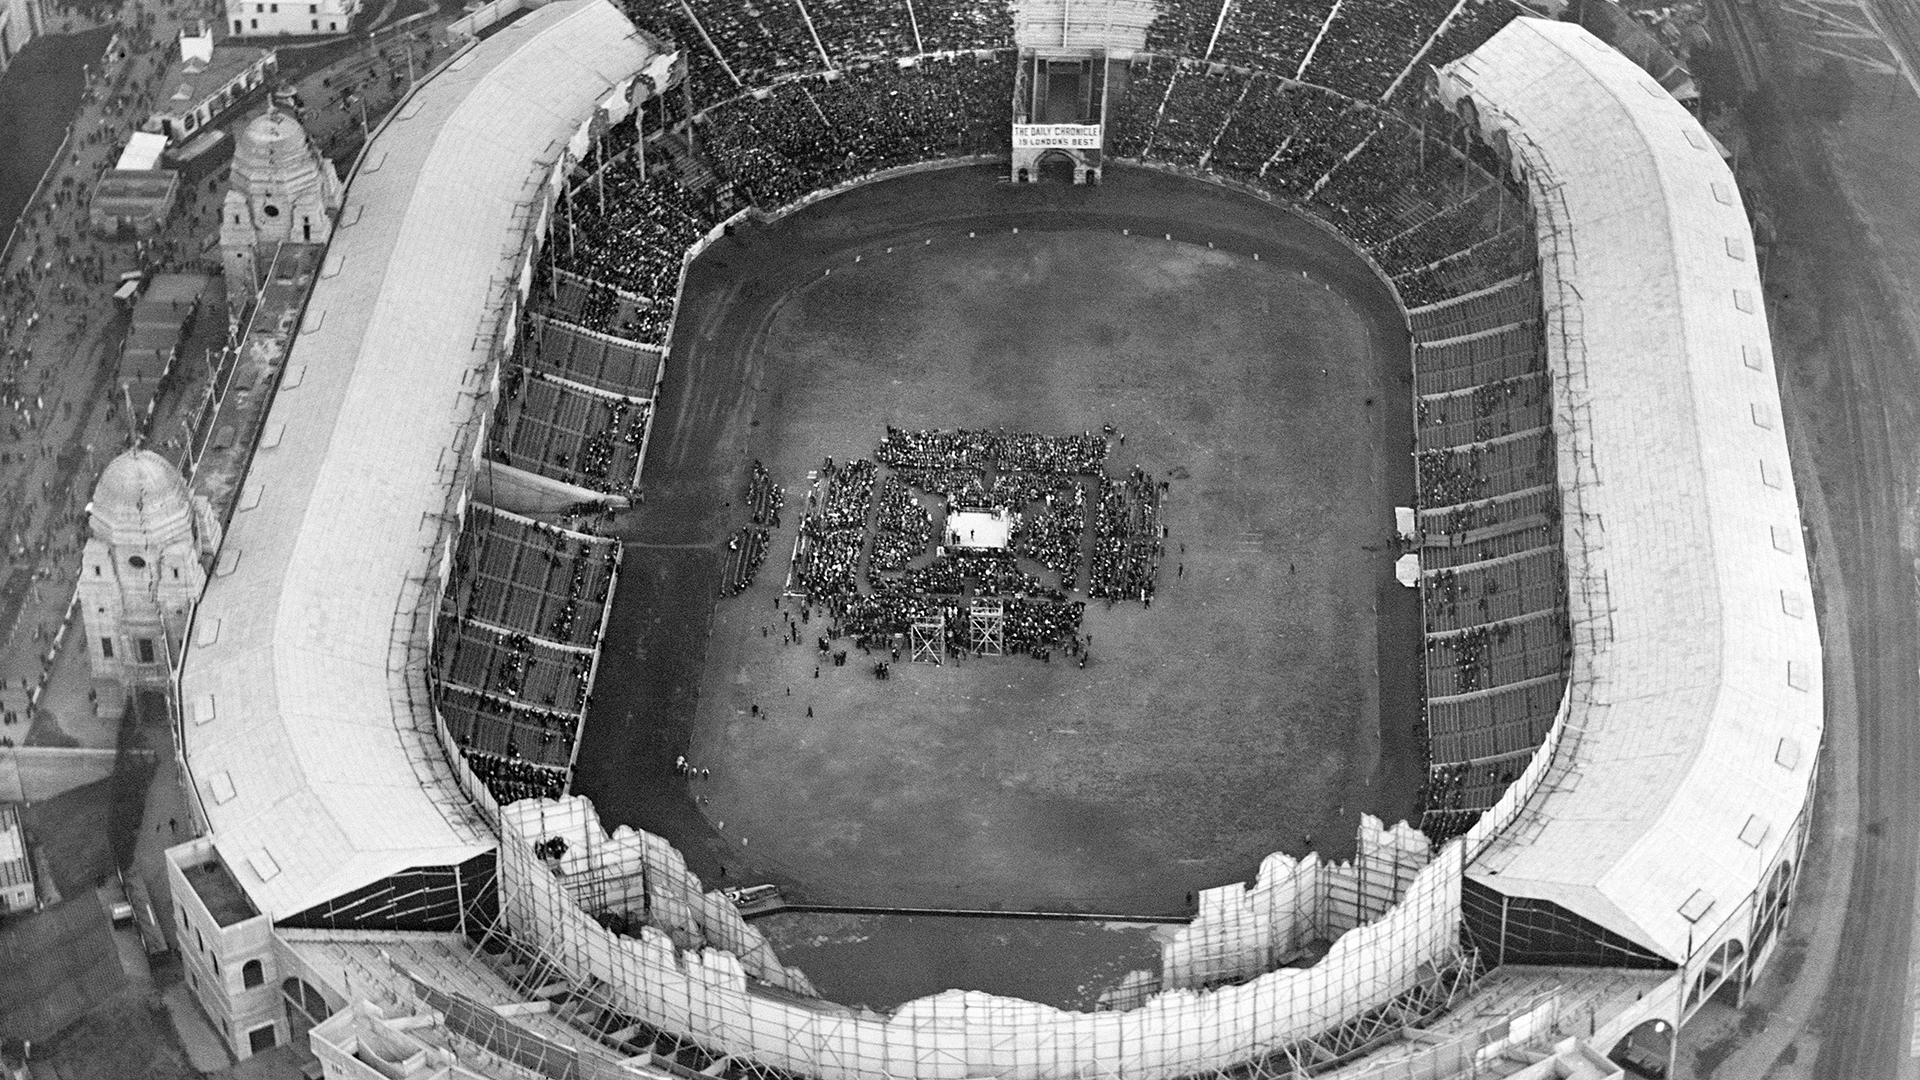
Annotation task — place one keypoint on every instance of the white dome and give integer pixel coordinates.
(141, 500)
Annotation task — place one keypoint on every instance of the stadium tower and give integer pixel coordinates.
(1059, 98)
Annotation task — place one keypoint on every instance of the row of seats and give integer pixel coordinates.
(513, 667)
(1483, 470)
(1512, 302)
(560, 431)
(1490, 356)
(1496, 654)
(486, 724)
(1488, 411)
(760, 45)
(569, 351)
(806, 135)
(519, 574)
(1494, 590)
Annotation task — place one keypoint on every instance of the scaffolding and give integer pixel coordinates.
(618, 936)
(987, 626)
(927, 639)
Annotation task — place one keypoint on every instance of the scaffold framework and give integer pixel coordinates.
(987, 626)
(928, 639)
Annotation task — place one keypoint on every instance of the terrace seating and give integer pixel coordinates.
(1370, 42)
(1272, 36)
(1490, 528)
(1487, 411)
(1195, 113)
(513, 667)
(1506, 303)
(802, 136)
(1483, 470)
(1495, 654)
(518, 574)
(864, 29)
(589, 358)
(567, 432)
(1462, 363)
(1494, 590)
(485, 724)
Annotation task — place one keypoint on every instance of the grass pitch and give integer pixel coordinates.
(1268, 694)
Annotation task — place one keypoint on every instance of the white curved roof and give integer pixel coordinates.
(1696, 714)
(299, 733)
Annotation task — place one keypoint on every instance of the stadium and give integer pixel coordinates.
(392, 672)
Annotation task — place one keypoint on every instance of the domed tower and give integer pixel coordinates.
(280, 190)
(140, 574)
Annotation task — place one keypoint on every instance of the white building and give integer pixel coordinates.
(281, 190)
(139, 576)
(205, 81)
(258, 18)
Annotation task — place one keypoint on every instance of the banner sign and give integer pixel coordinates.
(1049, 136)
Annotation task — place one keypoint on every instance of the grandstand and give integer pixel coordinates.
(1622, 722)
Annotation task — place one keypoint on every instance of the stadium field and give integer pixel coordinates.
(1269, 693)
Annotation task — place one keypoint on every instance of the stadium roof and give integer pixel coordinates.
(1696, 684)
(300, 733)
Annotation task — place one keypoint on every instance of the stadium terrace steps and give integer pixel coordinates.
(1504, 303)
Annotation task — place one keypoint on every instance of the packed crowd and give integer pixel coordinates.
(902, 527)
(1040, 480)
(1063, 455)
(1128, 538)
(1358, 48)
(512, 779)
(1052, 526)
(766, 43)
(814, 133)
(635, 238)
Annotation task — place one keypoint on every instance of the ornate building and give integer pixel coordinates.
(140, 574)
(281, 191)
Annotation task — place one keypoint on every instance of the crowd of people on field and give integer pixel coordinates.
(1128, 538)
(867, 554)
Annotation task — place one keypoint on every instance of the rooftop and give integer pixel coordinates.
(327, 769)
(214, 884)
(187, 83)
(1697, 663)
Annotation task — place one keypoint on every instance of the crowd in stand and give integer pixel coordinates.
(634, 238)
(814, 133)
(1448, 477)
(551, 428)
(511, 779)
(769, 42)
